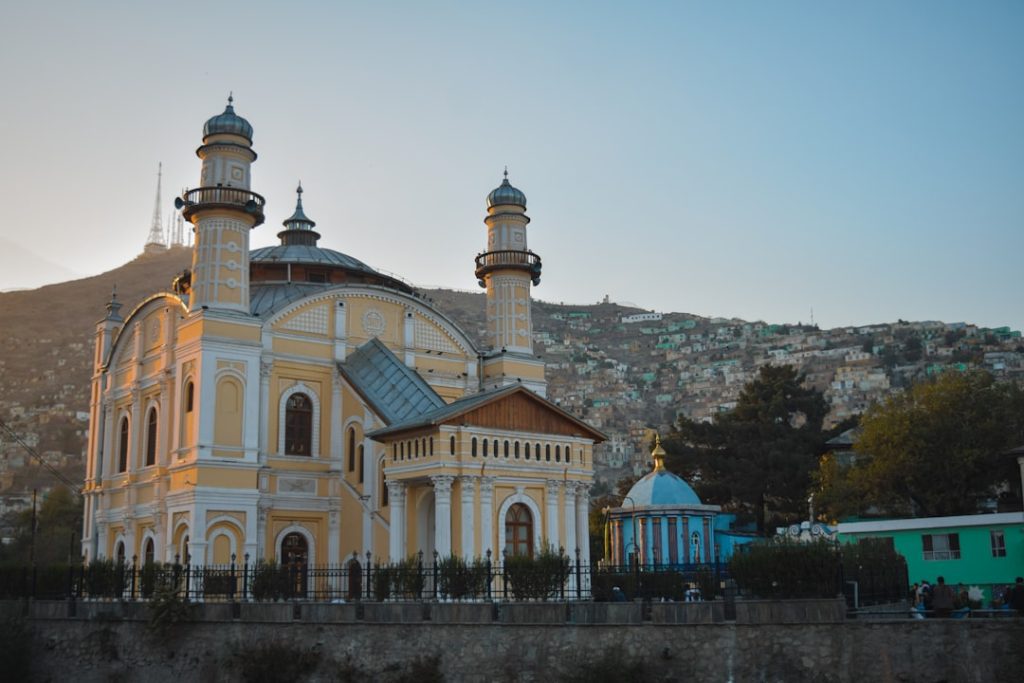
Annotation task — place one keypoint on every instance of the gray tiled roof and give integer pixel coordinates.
(441, 413)
(394, 390)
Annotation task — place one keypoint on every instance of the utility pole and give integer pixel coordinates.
(32, 542)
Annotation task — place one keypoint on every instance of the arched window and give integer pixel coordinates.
(148, 551)
(151, 438)
(362, 464)
(351, 449)
(519, 531)
(485, 448)
(558, 454)
(452, 446)
(122, 445)
(515, 450)
(416, 446)
(472, 446)
(547, 452)
(431, 445)
(294, 558)
(506, 448)
(695, 542)
(526, 449)
(401, 451)
(190, 396)
(298, 425)
(119, 552)
(567, 451)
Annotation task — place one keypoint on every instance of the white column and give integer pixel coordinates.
(337, 432)
(467, 486)
(334, 533)
(137, 430)
(570, 519)
(486, 516)
(263, 507)
(264, 427)
(442, 514)
(583, 531)
(396, 534)
(102, 532)
(552, 487)
(160, 531)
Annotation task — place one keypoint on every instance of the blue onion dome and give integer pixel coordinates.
(228, 122)
(506, 194)
(661, 487)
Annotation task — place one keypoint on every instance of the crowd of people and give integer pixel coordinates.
(943, 601)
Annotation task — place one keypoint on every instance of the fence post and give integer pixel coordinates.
(234, 579)
(131, 584)
(490, 576)
(367, 575)
(245, 578)
(579, 576)
(188, 581)
(434, 573)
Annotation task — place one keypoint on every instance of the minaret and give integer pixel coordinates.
(223, 210)
(155, 243)
(506, 270)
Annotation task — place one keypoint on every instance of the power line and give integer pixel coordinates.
(6, 429)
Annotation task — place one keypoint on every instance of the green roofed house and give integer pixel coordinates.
(976, 550)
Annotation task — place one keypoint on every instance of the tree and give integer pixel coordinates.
(936, 449)
(58, 517)
(757, 458)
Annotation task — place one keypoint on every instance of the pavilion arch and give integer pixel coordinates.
(187, 411)
(181, 540)
(223, 538)
(302, 531)
(353, 432)
(124, 433)
(148, 535)
(299, 388)
(120, 550)
(534, 509)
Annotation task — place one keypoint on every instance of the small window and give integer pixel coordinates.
(472, 447)
(526, 451)
(316, 276)
(190, 395)
(384, 495)
(362, 464)
(547, 452)
(148, 552)
(451, 446)
(122, 446)
(567, 452)
(416, 447)
(516, 450)
(485, 448)
(506, 448)
(431, 445)
(998, 541)
(941, 546)
(558, 454)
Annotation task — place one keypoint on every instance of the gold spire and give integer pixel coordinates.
(658, 454)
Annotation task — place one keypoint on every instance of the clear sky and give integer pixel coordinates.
(749, 159)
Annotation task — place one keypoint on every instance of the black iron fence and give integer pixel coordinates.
(545, 577)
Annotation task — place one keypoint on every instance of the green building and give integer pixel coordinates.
(976, 550)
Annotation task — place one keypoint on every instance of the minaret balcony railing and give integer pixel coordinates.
(508, 259)
(200, 198)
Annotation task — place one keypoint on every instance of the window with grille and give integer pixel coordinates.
(298, 425)
(941, 546)
(998, 541)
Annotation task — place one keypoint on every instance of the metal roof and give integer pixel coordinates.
(304, 253)
(394, 390)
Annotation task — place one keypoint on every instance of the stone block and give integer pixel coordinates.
(462, 612)
(710, 612)
(533, 613)
(813, 611)
(325, 613)
(268, 611)
(395, 612)
(48, 609)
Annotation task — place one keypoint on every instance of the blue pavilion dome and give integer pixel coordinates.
(228, 122)
(506, 194)
(661, 487)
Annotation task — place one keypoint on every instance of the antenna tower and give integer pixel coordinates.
(156, 241)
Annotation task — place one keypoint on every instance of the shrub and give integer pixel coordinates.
(540, 577)
(880, 571)
(459, 579)
(270, 581)
(105, 579)
(788, 570)
(166, 609)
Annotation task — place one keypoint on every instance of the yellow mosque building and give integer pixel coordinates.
(292, 404)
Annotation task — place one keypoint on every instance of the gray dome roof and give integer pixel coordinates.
(302, 253)
(228, 122)
(506, 194)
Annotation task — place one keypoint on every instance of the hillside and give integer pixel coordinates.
(620, 368)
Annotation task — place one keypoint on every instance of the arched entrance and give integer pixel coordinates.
(294, 559)
(519, 531)
(426, 527)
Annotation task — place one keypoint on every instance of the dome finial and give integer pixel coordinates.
(658, 454)
(298, 193)
(506, 173)
(231, 97)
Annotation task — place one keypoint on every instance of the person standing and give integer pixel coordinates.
(1015, 596)
(943, 599)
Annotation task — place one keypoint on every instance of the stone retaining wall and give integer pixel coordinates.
(520, 645)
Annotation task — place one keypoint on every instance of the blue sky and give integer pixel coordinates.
(742, 159)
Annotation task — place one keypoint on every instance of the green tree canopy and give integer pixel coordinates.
(757, 458)
(937, 449)
(58, 517)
